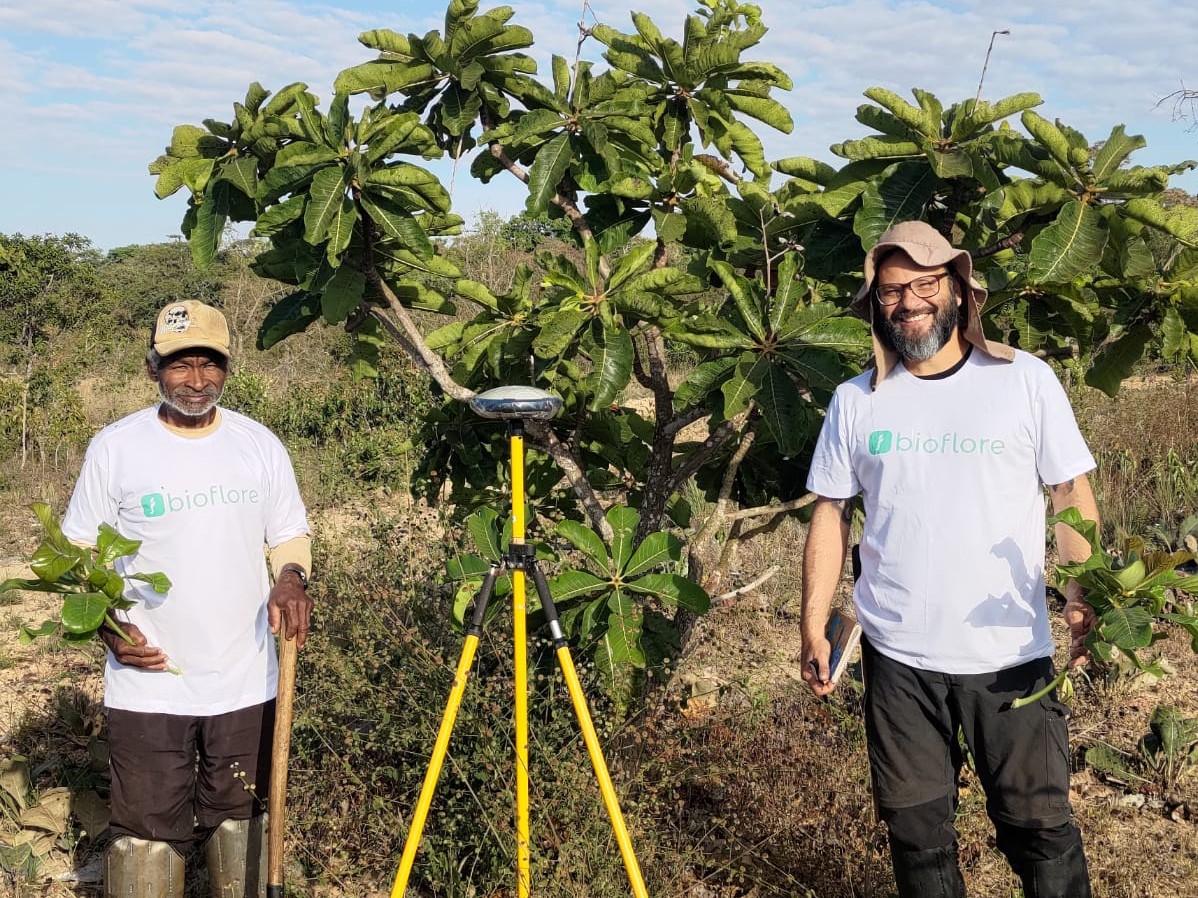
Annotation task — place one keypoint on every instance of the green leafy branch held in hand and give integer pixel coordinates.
(1129, 594)
(92, 589)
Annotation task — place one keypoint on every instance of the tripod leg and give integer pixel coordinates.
(433, 773)
(589, 736)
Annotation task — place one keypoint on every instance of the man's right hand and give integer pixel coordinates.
(814, 657)
(135, 654)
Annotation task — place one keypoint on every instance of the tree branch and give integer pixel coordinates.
(703, 454)
(560, 453)
(566, 204)
(1011, 242)
(719, 166)
(413, 342)
(683, 421)
(762, 510)
(768, 574)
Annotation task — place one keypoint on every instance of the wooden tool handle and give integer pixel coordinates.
(280, 752)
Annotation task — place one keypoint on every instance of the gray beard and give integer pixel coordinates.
(213, 397)
(920, 349)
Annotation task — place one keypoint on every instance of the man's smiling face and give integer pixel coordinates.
(915, 327)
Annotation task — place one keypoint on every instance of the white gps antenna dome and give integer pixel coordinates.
(516, 402)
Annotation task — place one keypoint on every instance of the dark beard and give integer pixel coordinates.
(919, 349)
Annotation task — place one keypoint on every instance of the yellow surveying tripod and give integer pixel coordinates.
(515, 405)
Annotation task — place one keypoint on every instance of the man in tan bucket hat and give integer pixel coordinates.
(189, 695)
(951, 439)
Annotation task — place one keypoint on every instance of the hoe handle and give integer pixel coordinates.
(278, 767)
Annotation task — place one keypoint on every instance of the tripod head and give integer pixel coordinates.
(516, 402)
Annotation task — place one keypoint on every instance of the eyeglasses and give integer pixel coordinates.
(924, 287)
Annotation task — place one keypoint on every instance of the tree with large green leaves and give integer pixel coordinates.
(685, 244)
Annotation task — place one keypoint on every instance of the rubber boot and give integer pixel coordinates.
(236, 856)
(1059, 877)
(928, 874)
(139, 868)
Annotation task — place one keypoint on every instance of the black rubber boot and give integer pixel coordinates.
(1059, 877)
(928, 874)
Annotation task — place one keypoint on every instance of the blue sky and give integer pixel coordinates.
(92, 88)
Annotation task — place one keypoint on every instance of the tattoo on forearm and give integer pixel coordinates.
(1067, 487)
(846, 509)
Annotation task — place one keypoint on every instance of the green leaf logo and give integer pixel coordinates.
(880, 442)
(153, 505)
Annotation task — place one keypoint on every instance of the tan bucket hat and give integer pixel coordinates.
(190, 324)
(926, 247)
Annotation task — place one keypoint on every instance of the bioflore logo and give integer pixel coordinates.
(883, 441)
(155, 505)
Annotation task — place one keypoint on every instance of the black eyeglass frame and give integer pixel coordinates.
(910, 285)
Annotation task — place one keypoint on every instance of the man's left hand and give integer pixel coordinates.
(1080, 618)
(290, 606)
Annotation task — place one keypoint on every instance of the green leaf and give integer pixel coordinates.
(657, 548)
(701, 380)
(341, 230)
(1115, 362)
(482, 529)
(342, 294)
(588, 542)
(546, 173)
(466, 567)
(397, 223)
(287, 179)
(1175, 733)
(51, 561)
(33, 585)
(611, 356)
(673, 589)
(210, 218)
(782, 408)
(325, 202)
(110, 545)
(83, 612)
(477, 293)
(630, 264)
(274, 220)
(28, 633)
(1175, 335)
(242, 173)
(1127, 628)
(741, 388)
(1114, 152)
(708, 221)
(900, 194)
(876, 148)
(570, 584)
(159, 582)
(623, 521)
(417, 186)
(619, 648)
(384, 76)
(1049, 136)
(290, 315)
(558, 333)
(1070, 247)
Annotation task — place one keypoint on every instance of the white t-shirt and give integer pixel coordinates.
(203, 509)
(951, 471)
